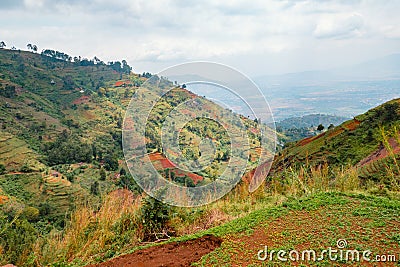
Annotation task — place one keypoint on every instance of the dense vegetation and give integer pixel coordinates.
(350, 143)
(62, 173)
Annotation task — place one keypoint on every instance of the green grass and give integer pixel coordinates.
(380, 211)
(347, 143)
(333, 216)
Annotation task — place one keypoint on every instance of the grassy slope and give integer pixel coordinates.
(40, 111)
(313, 222)
(316, 222)
(347, 143)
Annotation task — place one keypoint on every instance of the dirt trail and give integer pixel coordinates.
(172, 254)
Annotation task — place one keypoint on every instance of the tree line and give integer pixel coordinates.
(120, 67)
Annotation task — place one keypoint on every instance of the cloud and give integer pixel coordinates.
(162, 31)
(340, 26)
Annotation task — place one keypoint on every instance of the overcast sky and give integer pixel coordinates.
(256, 37)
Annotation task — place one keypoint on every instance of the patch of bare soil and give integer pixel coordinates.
(381, 153)
(172, 254)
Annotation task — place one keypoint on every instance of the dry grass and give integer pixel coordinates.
(309, 180)
(90, 232)
(392, 171)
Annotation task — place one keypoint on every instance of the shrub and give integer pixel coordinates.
(16, 240)
(2, 169)
(154, 216)
(111, 162)
(103, 174)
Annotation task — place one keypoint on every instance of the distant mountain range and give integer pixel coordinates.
(385, 68)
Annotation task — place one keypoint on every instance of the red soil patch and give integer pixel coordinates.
(83, 99)
(188, 112)
(166, 163)
(196, 178)
(3, 199)
(128, 124)
(380, 153)
(336, 132)
(254, 176)
(123, 83)
(254, 130)
(88, 115)
(161, 162)
(352, 125)
(172, 254)
(156, 156)
(310, 139)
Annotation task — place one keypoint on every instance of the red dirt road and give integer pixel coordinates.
(172, 254)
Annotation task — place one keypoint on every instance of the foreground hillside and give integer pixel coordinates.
(346, 222)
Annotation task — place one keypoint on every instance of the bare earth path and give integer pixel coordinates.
(172, 254)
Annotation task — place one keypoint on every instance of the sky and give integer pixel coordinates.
(259, 37)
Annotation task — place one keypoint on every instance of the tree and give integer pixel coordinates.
(2, 44)
(320, 127)
(111, 162)
(154, 214)
(32, 47)
(94, 188)
(125, 67)
(330, 126)
(9, 91)
(122, 171)
(103, 174)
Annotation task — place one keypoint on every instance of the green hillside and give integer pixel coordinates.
(57, 115)
(62, 170)
(61, 138)
(351, 143)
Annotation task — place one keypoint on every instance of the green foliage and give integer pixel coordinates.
(103, 174)
(347, 143)
(94, 188)
(67, 149)
(25, 168)
(18, 186)
(8, 91)
(154, 216)
(127, 181)
(16, 239)
(30, 214)
(2, 169)
(111, 162)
